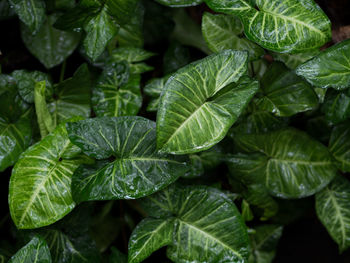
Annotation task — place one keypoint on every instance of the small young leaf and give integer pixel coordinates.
(138, 170)
(153, 89)
(281, 26)
(331, 68)
(210, 109)
(36, 251)
(333, 210)
(339, 145)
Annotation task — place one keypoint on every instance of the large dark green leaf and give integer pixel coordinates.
(285, 94)
(279, 25)
(14, 139)
(333, 209)
(31, 12)
(179, 3)
(331, 68)
(49, 45)
(36, 251)
(264, 243)
(339, 145)
(336, 106)
(198, 107)
(148, 236)
(208, 226)
(72, 97)
(176, 57)
(138, 169)
(296, 165)
(225, 32)
(117, 93)
(40, 192)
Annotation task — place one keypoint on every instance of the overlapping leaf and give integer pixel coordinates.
(153, 89)
(179, 3)
(211, 106)
(331, 68)
(339, 145)
(336, 106)
(207, 226)
(224, 32)
(137, 170)
(40, 192)
(281, 26)
(333, 209)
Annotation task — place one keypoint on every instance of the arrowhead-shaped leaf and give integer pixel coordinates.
(333, 209)
(223, 32)
(279, 25)
(339, 145)
(36, 251)
(138, 170)
(198, 107)
(296, 165)
(208, 226)
(331, 68)
(40, 192)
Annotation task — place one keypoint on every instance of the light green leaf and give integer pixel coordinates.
(36, 251)
(153, 89)
(208, 226)
(296, 165)
(39, 192)
(211, 105)
(15, 137)
(282, 26)
(31, 12)
(49, 45)
(26, 80)
(117, 93)
(339, 145)
(72, 97)
(331, 68)
(333, 210)
(137, 170)
(247, 213)
(179, 3)
(149, 235)
(285, 94)
(336, 106)
(264, 243)
(45, 121)
(224, 32)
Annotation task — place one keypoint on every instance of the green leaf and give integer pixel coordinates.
(45, 121)
(294, 60)
(210, 109)
(26, 82)
(117, 256)
(99, 31)
(179, 3)
(264, 243)
(138, 170)
(333, 210)
(72, 97)
(339, 145)
(39, 192)
(296, 165)
(153, 89)
(49, 45)
(285, 94)
(331, 68)
(225, 32)
(336, 106)
(208, 226)
(36, 251)
(281, 26)
(175, 57)
(149, 235)
(31, 12)
(247, 213)
(117, 93)
(15, 138)
(121, 10)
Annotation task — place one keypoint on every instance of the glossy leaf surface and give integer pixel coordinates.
(223, 32)
(281, 26)
(40, 192)
(208, 227)
(137, 170)
(333, 209)
(49, 45)
(297, 165)
(210, 108)
(36, 251)
(336, 106)
(339, 145)
(331, 68)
